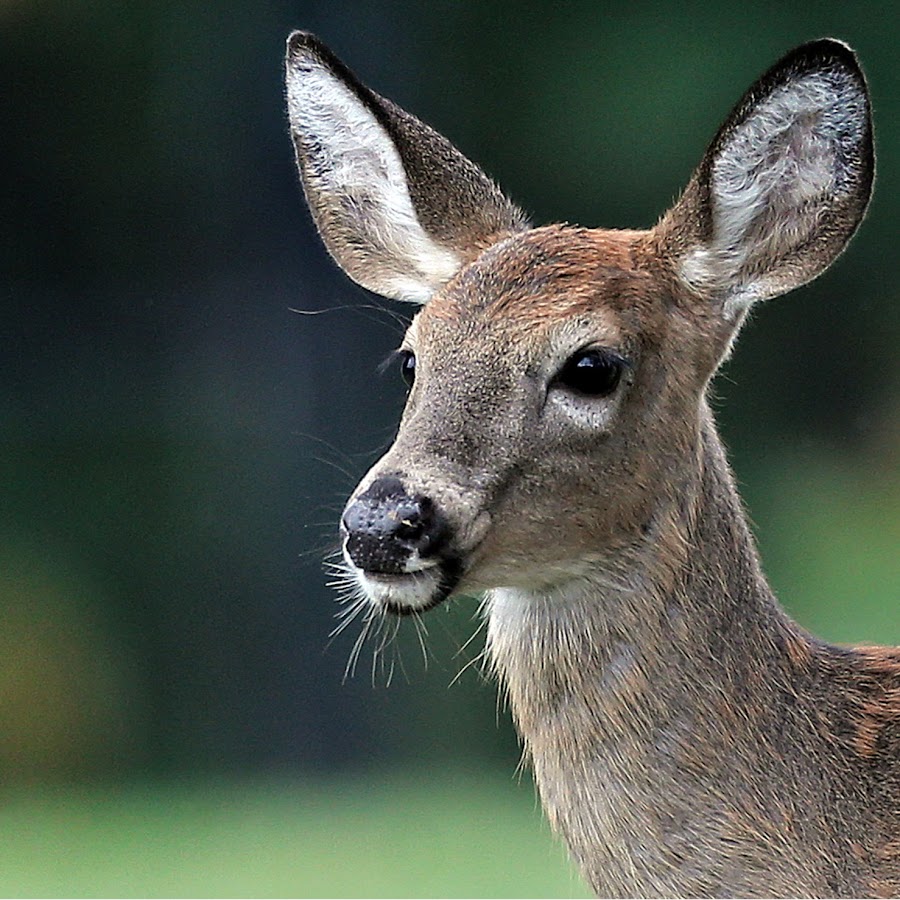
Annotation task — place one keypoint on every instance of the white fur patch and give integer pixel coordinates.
(356, 161)
(770, 182)
(414, 591)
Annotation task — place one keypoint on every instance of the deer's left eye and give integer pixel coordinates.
(592, 373)
(408, 366)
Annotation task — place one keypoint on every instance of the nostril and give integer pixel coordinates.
(411, 519)
(384, 528)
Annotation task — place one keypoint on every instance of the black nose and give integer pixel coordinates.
(385, 526)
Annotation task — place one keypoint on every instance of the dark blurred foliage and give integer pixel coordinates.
(176, 442)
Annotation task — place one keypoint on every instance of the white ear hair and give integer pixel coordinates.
(357, 162)
(787, 179)
(397, 205)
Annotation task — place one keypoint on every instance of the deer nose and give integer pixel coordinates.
(388, 531)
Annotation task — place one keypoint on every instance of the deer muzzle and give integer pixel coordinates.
(400, 546)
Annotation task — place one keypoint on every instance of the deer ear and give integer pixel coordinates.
(783, 186)
(397, 205)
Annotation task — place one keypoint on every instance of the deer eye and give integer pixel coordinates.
(592, 373)
(407, 366)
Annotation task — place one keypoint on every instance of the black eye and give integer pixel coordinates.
(594, 373)
(408, 366)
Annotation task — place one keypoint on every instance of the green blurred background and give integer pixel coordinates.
(176, 443)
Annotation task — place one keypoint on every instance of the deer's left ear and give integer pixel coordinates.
(783, 186)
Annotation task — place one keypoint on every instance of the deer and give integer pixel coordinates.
(557, 455)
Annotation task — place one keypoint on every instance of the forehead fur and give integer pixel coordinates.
(548, 274)
(537, 282)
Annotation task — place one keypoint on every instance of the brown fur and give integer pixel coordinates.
(687, 738)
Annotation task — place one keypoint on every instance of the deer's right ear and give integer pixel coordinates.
(398, 207)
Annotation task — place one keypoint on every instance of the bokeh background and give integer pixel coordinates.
(176, 441)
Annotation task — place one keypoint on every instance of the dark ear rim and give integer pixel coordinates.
(816, 56)
(477, 214)
(302, 44)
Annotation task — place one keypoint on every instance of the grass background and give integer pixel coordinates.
(430, 835)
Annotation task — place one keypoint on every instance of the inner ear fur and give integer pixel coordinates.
(397, 205)
(783, 185)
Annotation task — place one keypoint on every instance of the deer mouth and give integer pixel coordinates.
(405, 593)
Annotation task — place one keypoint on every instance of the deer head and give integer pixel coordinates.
(557, 374)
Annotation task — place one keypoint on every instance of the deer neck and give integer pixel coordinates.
(637, 672)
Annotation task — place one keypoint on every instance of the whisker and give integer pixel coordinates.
(472, 662)
(347, 616)
(320, 312)
(336, 449)
(479, 628)
(394, 318)
(353, 659)
(399, 657)
(421, 633)
(381, 642)
(344, 469)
